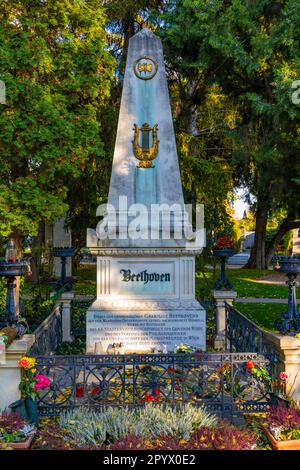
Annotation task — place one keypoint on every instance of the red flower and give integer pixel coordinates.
(79, 391)
(151, 398)
(156, 391)
(170, 370)
(96, 390)
(283, 376)
(249, 365)
(224, 242)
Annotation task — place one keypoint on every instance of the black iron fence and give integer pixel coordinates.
(226, 383)
(243, 334)
(48, 335)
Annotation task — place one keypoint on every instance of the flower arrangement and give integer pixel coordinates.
(183, 348)
(8, 334)
(31, 382)
(13, 429)
(260, 373)
(283, 425)
(224, 243)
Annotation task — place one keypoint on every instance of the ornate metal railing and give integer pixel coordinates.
(243, 334)
(223, 382)
(48, 335)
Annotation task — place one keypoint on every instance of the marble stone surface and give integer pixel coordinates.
(144, 101)
(162, 311)
(142, 331)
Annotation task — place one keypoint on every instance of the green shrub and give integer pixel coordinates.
(84, 426)
(112, 424)
(167, 421)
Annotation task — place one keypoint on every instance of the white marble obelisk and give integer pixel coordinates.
(145, 283)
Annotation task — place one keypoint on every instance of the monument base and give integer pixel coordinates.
(144, 330)
(145, 302)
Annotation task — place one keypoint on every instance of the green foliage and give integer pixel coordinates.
(285, 243)
(57, 70)
(36, 310)
(249, 52)
(78, 346)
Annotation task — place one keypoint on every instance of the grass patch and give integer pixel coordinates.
(264, 315)
(247, 283)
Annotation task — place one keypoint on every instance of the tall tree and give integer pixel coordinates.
(57, 70)
(251, 50)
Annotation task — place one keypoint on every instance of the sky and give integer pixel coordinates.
(239, 205)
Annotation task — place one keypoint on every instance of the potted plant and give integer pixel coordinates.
(15, 433)
(30, 384)
(224, 248)
(282, 427)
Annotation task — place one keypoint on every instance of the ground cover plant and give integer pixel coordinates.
(284, 422)
(152, 427)
(13, 428)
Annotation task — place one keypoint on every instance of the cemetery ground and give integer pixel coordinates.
(158, 426)
(261, 294)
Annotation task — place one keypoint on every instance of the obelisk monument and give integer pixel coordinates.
(144, 244)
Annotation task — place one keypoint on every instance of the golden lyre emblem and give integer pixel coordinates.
(145, 153)
(145, 68)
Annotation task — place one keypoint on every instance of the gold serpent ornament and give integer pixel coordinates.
(145, 153)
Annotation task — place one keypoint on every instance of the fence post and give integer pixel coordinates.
(288, 348)
(10, 373)
(220, 298)
(66, 300)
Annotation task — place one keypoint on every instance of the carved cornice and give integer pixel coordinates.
(129, 304)
(101, 251)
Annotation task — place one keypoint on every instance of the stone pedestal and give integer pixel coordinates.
(10, 372)
(145, 303)
(66, 300)
(288, 348)
(221, 297)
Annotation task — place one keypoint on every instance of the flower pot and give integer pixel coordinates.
(19, 407)
(24, 445)
(293, 444)
(27, 408)
(32, 411)
(223, 252)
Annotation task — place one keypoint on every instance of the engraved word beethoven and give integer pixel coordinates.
(144, 276)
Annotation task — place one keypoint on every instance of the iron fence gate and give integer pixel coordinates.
(226, 383)
(243, 334)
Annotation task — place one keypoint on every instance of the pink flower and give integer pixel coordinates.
(42, 381)
(283, 376)
(38, 386)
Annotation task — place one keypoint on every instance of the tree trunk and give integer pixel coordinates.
(257, 258)
(284, 227)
